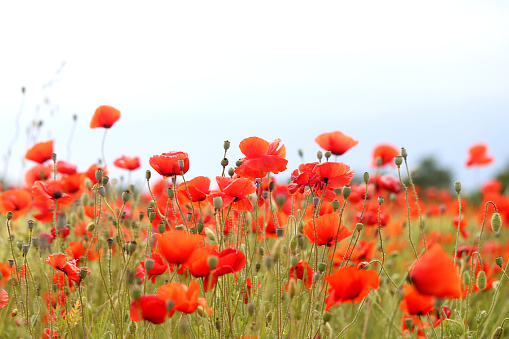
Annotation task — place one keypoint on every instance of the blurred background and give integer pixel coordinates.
(431, 76)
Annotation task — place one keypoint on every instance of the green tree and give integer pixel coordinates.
(430, 174)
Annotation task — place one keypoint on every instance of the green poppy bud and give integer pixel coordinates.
(496, 222)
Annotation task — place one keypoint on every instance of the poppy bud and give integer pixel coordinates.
(251, 308)
(404, 153)
(14, 312)
(466, 278)
(322, 266)
(148, 175)
(136, 293)
(496, 222)
(327, 330)
(326, 317)
(499, 332)
(98, 174)
(212, 261)
(409, 323)
(280, 232)
(328, 155)
(269, 317)
(217, 324)
(140, 216)
(301, 241)
(292, 288)
(294, 260)
(211, 235)
(317, 276)
(398, 160)
(380, 200)
(346, 191)
(151, 215)
(258, 266)
(457, 187)
(268, 261)
(335, 205)
(456, 328)
(276, 249)
(100, 190)
(126, 195)
(36, 242)
(218, 203)
(91, 227)
(293, 243)
(130, 247)
(161, 227)
(499, 261)
(363, 265)
(366, 177)
(11, 262)
(481, 280)
(359, 226)
(319, 155)
(149, 264)
(83, 273)
(105, 180)
(25, 248)
(181, 164)
(9, 215)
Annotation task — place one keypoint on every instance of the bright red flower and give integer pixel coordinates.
(336, 142)
(50, 190)
(40, 152)
(261, 157)
(49, 334)
(334, 174)
(158, 269)
(385, 152)
(167, 164)
(435, 274)
(478, 156)
(185, 298)
(230, 260)
(77, 249)
(198, 261)
(15, 200)
(351, 285)
(327, 230)
(73, 184)
(105, 117)
(234, 192)
(128, 163)
(198, 189)
(302, 271)
(64, 167)
(415, 303)
(59, 262)
(149, 307)
(4, 297)
(177, 246)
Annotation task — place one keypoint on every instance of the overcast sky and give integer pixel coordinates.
(430, 76)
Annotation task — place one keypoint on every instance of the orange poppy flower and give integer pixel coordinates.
(167, 164)
(185, 298)
(105, 117)
(40, 152)
(385, 152)
(4, 298)
(177, 246)
(17, 201)
(435, 274)
(335, 142)
(64, 167)
(90, 173)
(478, 156)
(327, 230)
(334, 174)
(261, 157)
(128, 163)
(198, 261)
(198, 189)
(350, 285)
(234, 192)
(38, 172)
(50, 190)
(415, 303)
(149, 307)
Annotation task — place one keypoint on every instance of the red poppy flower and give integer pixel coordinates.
(385, 153)
(249, 285)
(4, 297)
(50, 334)
(128, 163)
(198, 189)
(334, 174)
(415, 303)
(234, 192)
(149, 307)
(198, 261)
(17, 201)
(302, 271)
(38, 172)
(77, 250)
(335, 142)
(230, 260)
(350, 285)
(59, 262)
(158, 269)
(50, 190)
(261, 157)
(184, 298)
(64, 167)
(73, 184)
(167, 164)
(478, 156)
(435, 274)
(104, 116)
(90, 173)
(177, 246)
(40, 152)
(327, 230)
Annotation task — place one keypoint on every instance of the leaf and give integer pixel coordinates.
(4, 297)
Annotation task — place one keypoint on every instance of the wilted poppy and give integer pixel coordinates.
(149, 307)
(350, 285)
(384, 153)
(435, 274)
(17, 201)
(177, 246)
(128, 163)
(478, 155)
(105, 117)
(325, 230)
(185, 299)
(336, 142)
(261, 157)
(415, 303)
(167, 164)
(40, 152)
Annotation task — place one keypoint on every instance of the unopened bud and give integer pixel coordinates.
(14, 312)
(251, 308)
(83, 273)
(91, 227)
(496, 222)
(322, 266)
(317, 276)
(359, 226)
(268, 261)
(292, 288)
(499, 332)
(148, 174)
(316, 200)
(481, 280)
(409, 323)
(326, 317)
(301, 241)
(276, 249)
(181, 164)
(499, 261)
(294, 261)
(211, 235)
(327, 330)
(363, 265)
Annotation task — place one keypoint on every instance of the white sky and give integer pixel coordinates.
(430, 76)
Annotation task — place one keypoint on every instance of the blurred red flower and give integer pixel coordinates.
(325, 230)
(415, 303)
(167, 164)
(350, 285)
(385, 153)
(40, 152)
(17, 201)
(105, 117)
(128, 163)
(478, 155)
(149, 307)
(336, 142)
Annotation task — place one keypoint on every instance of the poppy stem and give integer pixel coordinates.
(102, 146)
(483, 223)
(421, 221)
(458, 231)
(408, 213)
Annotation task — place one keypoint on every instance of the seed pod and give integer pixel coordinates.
(218, 203)
(457, 187)
(126, 195)
(328, 155)
(499, 332)
(346, 191)
(335, 205)
(496, 222)
(481, 280)
(404, 153)
(359, 226)
(499, 261)
(366, 177)
(268, 261)
(292, 288)
(294, 261)
(9, 215)
(326, 317)
(224, 162)
(322, 266)
(319, 155)
(98, 174)
(212, 261)
(398, 160)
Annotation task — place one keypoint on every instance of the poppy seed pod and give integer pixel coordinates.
(319, 155)
(231, 172)
(148, 174)
(366, 177)
(126, 195)
(294, 261)
(481, 280)
(149, 264)
(100, 190)
(25, 248)
(181, 164)
(109, 242)
(19, 244)
(268, 261)
(409, 323)
(98, 174)
(218, 203)
(499, 332)
(496, 222)
(280, 232)
(346, 191)
(380, 200)
(161, 227)
(316, 200)
(335, 205)
(457, 187)
(322, 266)
(91, 227)
(317, 276)
(36, 242)
(499, 261)
(398, 160)
(83, 273)
(328, 155)
(226, 145)
(404, 153)
(224, 162)
(272, 185)
(212, 261)
(9, 215)
(359, 226)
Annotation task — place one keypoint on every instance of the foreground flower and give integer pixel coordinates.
(177, 246)
(149, 307)
(326, 230)
(40, 152)
(50, 190)
(415, 303)
(261, 157)
(335, 142)
(105, 117)
(435, 274)
(478, 156)
(16, 201)
(167, 164)
(350, 285)
(184, 299)
(4, 298)
(230, 260)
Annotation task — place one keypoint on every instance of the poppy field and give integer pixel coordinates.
(322, 254)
